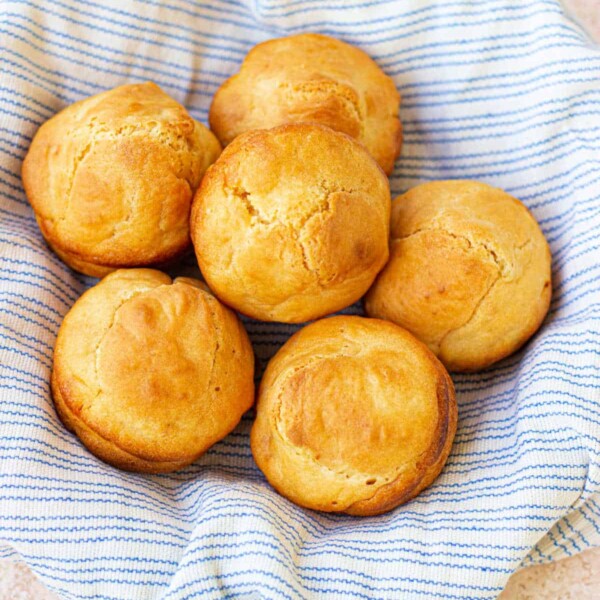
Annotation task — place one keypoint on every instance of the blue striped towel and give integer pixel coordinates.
(500, 91)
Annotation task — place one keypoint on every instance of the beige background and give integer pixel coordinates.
(575, 578)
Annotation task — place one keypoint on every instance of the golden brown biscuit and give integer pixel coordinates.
(111, 178)
(354, 415)
(469, 272)
(149, 372)
(310, 77)
(291, 223)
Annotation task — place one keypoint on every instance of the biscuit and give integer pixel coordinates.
(354, 415)
(149, 372)
(311, 77)
(111, 178)
(469, 272)
(291, 223)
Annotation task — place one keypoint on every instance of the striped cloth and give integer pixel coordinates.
(501, 91)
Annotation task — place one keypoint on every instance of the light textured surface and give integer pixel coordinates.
(469, 272)
(353, 415)
(498, 91)
(151, 372)
(17, 582)
(587, 13)
(292, 223)
(156, 155)
(312, 78)
(574, 578)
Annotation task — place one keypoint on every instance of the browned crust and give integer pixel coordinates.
(139, 216)
(485, 361)
(500, 236)
(233, 107)
(104, 449)
(392, 495)
(71, 403)
(398, 491)
(327, 274)
(79, 263)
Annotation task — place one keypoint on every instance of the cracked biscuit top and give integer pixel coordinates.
(111, 178)
(469, 272)
(292, 223)
(316, 78)
(354, 415)
(151, 372)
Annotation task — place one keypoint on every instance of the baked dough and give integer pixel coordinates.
(469, 272)
(354, 415)
(292, 223)
(311, 77)
(111, 178)
(149, 372)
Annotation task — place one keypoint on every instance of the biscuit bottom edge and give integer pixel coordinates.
(100, 270)
(108, 451)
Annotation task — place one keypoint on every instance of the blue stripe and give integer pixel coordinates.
(178, 27)
(85, 63)
(396, 56)
(547, 70)
(458, 100)
(113, 50)
(449, 22)
(166, 72)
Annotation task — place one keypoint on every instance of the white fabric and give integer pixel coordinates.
(499, 91)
